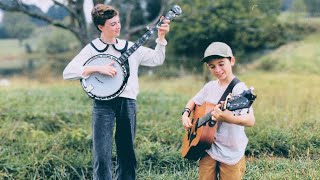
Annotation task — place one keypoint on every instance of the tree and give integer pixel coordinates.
(286, 5)
(17, 25)
(3, 32)
(57, 12)
(299, 6)
(57, 42)
(244, 25)
(78, 24)
(135, 12)
(313, 7)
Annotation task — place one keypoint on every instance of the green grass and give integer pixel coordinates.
(46, 131)
(45, 128)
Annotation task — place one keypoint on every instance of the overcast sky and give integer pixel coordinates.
(44, 5)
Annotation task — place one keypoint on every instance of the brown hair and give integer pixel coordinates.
(101, 12)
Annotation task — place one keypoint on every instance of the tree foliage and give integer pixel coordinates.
(298, 6)
(57, 42)
(243, 24)
(17, 25)
(313, 7)
(57, 12)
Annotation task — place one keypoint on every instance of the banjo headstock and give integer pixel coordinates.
(175, 11)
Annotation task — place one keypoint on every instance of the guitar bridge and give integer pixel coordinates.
(191, 136)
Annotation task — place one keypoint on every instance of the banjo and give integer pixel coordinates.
(102, 87)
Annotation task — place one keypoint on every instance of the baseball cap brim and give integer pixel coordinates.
(208, 58)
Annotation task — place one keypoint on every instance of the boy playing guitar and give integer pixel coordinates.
(225, 157)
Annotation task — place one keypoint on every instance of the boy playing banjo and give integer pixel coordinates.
(122, 109)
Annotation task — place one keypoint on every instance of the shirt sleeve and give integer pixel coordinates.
(152, 57)
(74, 70)
(199, 98)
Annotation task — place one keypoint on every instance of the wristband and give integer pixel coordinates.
(186, 110)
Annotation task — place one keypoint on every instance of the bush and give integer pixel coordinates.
(59, 41)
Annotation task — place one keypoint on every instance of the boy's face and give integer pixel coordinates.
(111, 27)
(221, 68)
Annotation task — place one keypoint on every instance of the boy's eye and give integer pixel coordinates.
(115, 23)
(221, 64)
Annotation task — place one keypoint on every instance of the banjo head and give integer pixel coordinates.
(103, 87)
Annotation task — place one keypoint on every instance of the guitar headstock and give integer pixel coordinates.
(241, 101)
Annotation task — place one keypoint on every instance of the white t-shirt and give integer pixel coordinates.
(230, 139)
(142, 56)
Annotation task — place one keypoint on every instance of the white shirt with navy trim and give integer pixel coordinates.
(142, 56)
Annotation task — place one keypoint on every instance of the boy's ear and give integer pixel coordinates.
(232, 61)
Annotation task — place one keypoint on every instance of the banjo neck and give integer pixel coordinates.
(141, 41)
(175, 11)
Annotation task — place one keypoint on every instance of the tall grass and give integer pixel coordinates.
(46, 129)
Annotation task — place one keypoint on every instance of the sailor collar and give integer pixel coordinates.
(120, 45)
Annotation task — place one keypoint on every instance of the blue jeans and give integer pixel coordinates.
(104, 115)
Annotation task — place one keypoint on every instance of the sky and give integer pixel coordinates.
(44, 5)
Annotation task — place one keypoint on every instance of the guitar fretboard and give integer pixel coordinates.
(244, 100)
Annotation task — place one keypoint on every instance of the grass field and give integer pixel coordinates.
(46, 129)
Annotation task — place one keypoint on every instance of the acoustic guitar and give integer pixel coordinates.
(201, 136)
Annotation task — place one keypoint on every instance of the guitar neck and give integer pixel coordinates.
(239, 103)
(204, 119)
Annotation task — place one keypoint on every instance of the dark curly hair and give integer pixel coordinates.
(101, 12)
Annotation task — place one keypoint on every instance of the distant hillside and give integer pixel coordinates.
(296, 57)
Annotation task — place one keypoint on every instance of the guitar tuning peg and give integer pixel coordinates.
(148, 27)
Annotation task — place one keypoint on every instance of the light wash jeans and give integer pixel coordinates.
(105, 114)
